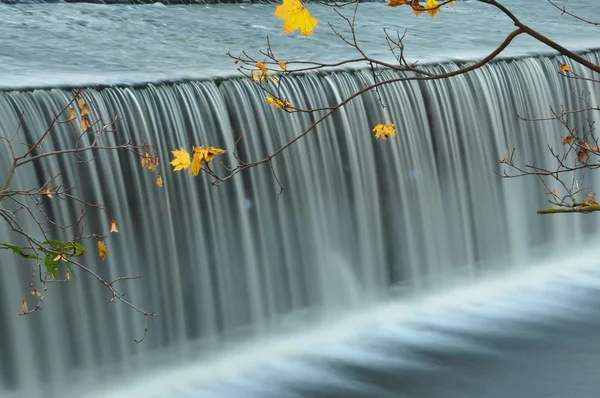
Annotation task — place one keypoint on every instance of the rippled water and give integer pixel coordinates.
(78, 44)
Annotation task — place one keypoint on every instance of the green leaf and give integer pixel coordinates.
(73, 249)
(51, 266)
(19, 250)
(55, 243)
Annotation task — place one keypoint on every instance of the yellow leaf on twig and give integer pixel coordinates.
(296, 16)
(102, 249)
(432, 7)
(262, 67)
(565, 68)
(211, 152)
(198, 160)
(384, 130)
(182, 159)
(281, 104)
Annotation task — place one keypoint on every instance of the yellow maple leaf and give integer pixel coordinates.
(80, 102)
(384, 130)
(296, 16)
(102, 249)
(285, 105)
(262, 67)
(113, 226)
(432, 7)
(565, 68)
(182, 159)
(211, 152)
(198, 160)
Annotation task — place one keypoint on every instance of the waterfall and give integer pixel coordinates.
(359, 221)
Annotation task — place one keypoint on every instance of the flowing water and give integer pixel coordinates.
(385, 269)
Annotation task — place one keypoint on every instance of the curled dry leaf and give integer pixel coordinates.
(146, 160)
(85, 123)
(46, 191)
(396, 3)
(113, 226)
(159, 180)
(24, 309)
(583, 155)
(72, 115)
(568, 140)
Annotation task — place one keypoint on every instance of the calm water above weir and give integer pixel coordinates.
(53, 45)
(393, 270)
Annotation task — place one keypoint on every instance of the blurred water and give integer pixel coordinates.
(360, 222)
(364, 278)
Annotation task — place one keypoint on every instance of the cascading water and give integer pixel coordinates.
(359, 221)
